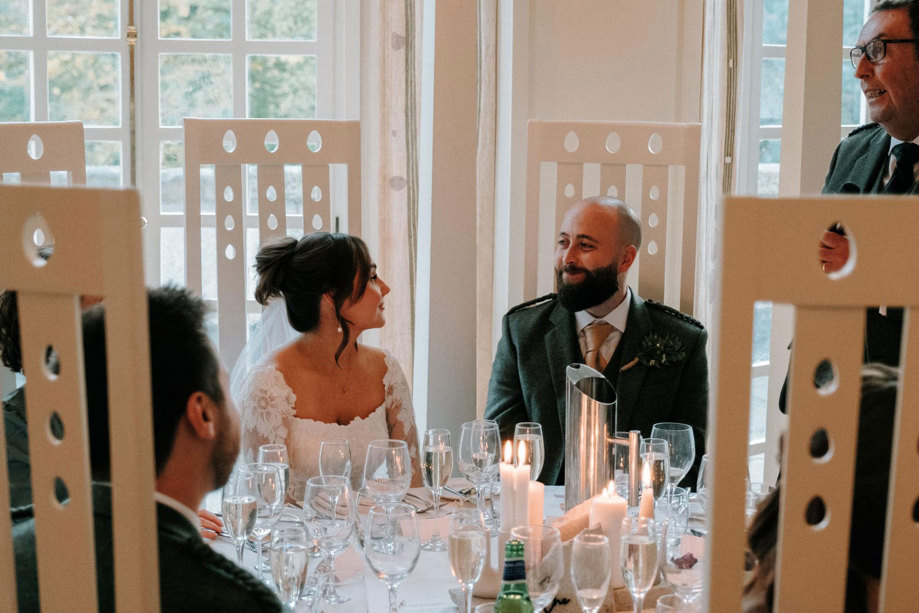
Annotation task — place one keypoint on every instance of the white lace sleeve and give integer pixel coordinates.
(400, 414)
(266, 406)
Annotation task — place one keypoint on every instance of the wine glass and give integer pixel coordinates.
(478, 455)
(269, 498)
(392, 546)
(703, 479)
(590, 570)
(352, 592)
(330, 524)
(238, 507)
(388, 470)
(530, 433)
(436, 467)
(468, 542)
(656, 453)
(682, 448)
(543, 562)
(638, 557)
(289, 556)
(684, 572)
(276, 453)
(677, 514)
(335, 457)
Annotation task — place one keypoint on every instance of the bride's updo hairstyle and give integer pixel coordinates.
(302, 271)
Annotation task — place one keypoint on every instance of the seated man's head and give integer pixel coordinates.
(195, 424)
(597, 244)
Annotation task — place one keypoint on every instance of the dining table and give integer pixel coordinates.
(431, 587)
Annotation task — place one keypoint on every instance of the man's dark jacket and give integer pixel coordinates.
(540, 340)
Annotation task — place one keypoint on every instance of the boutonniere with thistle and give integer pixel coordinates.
(658, 350)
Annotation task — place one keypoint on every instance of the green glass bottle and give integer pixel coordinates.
(514, 596)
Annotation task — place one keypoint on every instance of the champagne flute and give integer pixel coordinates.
(590, 570)
(238, 507)
(656, 453)
(543, 561)
(530, 433)
(436, 467)
(289, 556)
(638, 557)
(467, 549)
(478, 453)
(682, 448)
(276, 453)
(392, 546)
(270, 491)
(388, 470)
(335, 457)
(330, 526)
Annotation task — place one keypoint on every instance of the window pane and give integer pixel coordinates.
(98, 18)
(209, 263)
(282, 86)
(851, 96)
(758, 388)
(762, 330)
(772, 87)
(775, 21)
(281, 19)
(756, 465)
(194, 85)
(853, 16)
(195, 19)
(172, 256)
(14, 18)
(172, 177)
(767, 175)
(84, 86)
(103, 163)
(15, 80)
(293, 189)
(251, 251)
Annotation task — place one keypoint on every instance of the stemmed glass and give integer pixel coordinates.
(388, 470)
(590, 570)
(656, 453)
(269, 498)
(239, 507)
(335, 458)
(436, 467)
(703, 479)
(684, 572)
(543, 561)
(682, 448)
(467, 549)
(530, 433)
(638, 557)
(392, 546)
(478, 455)
(276, 453)
(289, 556)
(330, 525)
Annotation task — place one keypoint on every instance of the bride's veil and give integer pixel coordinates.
(272, 331)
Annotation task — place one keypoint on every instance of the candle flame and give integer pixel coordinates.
(605, 493)
(646, 475)
(611, 488)
(521, 453)
(508, 452)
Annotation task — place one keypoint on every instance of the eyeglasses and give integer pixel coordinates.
(876, 49)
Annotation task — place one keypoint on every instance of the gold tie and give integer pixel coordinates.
(595, 333)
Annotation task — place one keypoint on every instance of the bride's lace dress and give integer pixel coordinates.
(267, 406)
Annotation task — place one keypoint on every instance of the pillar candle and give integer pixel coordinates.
(646, 505)
(608, 510)
(521, 487)
(537, 495)
(508, 506)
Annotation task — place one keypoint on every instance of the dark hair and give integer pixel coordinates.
(912, 8)
(304, 270)
(10, 352)
(182, 362)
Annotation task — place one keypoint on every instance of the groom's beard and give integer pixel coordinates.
(597, 285)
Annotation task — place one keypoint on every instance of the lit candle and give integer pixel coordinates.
(537, 495)
(646, 505)
(521, 486)
(608, 510)
(508, 507)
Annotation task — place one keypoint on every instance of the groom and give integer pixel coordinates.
(596, 319)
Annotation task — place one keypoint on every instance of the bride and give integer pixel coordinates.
(321, 383)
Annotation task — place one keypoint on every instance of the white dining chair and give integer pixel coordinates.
(312, 148)
(97, 252)
(769, 252)
(652, 167)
